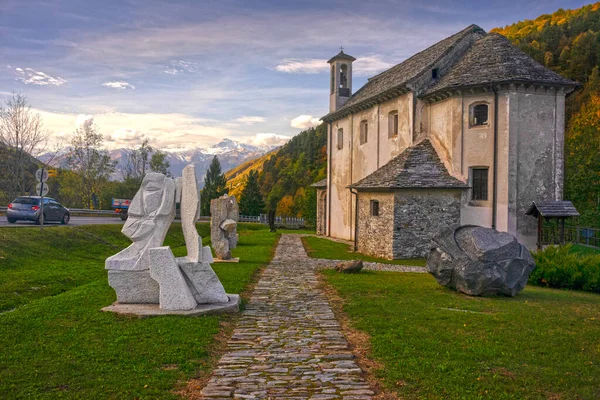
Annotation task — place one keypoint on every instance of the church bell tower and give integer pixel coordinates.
(340, 79)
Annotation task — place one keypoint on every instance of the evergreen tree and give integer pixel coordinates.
(251, 200)
(215, 185)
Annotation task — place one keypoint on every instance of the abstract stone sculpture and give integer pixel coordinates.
(148, 273)
(150, 214)
(480, 261)
(224, 213)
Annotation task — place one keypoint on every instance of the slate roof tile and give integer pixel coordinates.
(553, 209)
(320, 184)
(407, 70)
(493, 59)
(417, 167)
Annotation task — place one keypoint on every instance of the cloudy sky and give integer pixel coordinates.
(188, 73)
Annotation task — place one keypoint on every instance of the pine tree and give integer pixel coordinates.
(215, 185)
(251, 200)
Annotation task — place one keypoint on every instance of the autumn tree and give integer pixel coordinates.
(215, 185)
(285, 207)
(22, 138)
(91, 163)
(160, 163)
(583, 161)
(309, 206)
(251, 200)
(138, 163)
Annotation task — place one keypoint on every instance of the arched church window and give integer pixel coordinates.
(340, 139)
(364, 131)
(393, 123)
(479, 115)
(344, 76)
(332, 79)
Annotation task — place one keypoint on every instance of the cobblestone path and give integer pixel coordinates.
(288, 343)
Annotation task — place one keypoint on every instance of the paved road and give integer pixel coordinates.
(74, 221)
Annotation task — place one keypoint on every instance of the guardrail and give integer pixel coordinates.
(287, 222)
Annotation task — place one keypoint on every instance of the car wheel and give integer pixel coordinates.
(11, 220)
(65, 219)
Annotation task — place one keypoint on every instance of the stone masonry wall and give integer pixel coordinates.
(418, 216)
(375, 233)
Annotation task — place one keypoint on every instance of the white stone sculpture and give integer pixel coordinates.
(146, 276)
(224, 213)
(150, 214)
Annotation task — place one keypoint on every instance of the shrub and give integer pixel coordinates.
(561, 267)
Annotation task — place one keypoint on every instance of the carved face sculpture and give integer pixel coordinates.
(152, 192)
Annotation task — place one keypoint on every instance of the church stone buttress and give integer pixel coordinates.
(340, 80)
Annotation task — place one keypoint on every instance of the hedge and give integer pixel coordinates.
(562, 267)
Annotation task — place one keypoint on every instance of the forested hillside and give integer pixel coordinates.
(568, 41)
(285, 176)
(236, 177)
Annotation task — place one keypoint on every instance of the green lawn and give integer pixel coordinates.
(57, 342)
(543, 343)
(585, 250)
(317, 247)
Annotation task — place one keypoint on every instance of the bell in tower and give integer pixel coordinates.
(340, 79)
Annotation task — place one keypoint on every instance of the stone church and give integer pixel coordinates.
(470, 131)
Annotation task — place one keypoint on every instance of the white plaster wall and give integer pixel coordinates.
(536, 118)
(462, 147)
(341, 214)
(391, 147)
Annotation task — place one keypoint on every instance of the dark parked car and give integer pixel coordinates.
(28, 208)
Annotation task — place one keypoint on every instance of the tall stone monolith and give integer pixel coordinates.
(224, 213)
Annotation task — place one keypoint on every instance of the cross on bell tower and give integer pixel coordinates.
(340, 79)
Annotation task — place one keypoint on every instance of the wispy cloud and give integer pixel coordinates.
(177, 67)
(30, 76)
(312, 66)
(119, 85)
(165, 131)
(370, 65)
(249, 120)
(363, 66)
(304, 122)
(268, 139)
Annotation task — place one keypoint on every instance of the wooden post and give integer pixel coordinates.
(562, 230)
(540, 222)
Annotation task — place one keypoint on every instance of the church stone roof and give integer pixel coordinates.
(399, 75)
(321, 184)
(417, 167)
(489, 58)
(493, 59)
(341, 56)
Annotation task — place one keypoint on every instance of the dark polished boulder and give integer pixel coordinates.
(480, 261)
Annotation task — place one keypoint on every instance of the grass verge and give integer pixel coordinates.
(57, 342)
(317, 247)
(433, 343)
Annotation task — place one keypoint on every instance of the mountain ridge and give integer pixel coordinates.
(231, 154)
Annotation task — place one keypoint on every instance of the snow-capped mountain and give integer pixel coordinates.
(230, 154)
